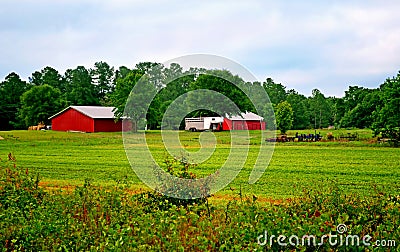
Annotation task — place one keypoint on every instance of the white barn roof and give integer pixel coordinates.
(94, 112)
(248, 116)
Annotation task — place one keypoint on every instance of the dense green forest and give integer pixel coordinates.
(48, 91)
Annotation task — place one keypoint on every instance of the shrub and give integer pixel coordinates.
(194, 194)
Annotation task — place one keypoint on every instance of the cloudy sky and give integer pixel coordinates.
(304, 45)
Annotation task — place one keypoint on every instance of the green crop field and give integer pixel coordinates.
(63, 158)
(309, 189)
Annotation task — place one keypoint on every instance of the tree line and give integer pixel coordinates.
(47, 91)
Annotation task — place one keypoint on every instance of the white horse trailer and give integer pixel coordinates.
(202, 123)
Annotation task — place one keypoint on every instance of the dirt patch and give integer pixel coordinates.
(217, 199)
(1, 138)
(50, 187)
(225, 198)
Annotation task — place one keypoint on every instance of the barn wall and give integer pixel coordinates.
(255, 125)
(263, 125)
(107, 125)
(126, 125)
(242, 125)
(239, 125)
(227, 124)
(72, 120)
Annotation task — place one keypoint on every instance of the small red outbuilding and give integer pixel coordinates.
(86, 119)
(244, 121)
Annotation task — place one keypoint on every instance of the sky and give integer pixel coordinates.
(329, 45)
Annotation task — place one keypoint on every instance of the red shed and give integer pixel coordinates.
(86, 119)
(244, 121)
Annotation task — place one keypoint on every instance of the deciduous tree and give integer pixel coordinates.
(133, 104)
(284, 116)
(10, 91)
(301, 115)
(276, 91)
(223, 83)
(49, 76)
(79, 88)
(39, 103)
(387, 115)
(321, 114)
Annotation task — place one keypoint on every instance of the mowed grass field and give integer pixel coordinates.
(63, 158)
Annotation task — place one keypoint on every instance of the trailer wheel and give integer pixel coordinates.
(193, 129)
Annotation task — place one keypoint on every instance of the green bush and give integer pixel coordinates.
(179, 168)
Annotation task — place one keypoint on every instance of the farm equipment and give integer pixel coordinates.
(296, 138)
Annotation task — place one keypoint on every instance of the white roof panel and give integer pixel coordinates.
(98, 112)
(248, 116)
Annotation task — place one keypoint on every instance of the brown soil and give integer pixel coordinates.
(217, 199)
(224, 198)
(65, 188)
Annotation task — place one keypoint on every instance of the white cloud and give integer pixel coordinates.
(301, 44)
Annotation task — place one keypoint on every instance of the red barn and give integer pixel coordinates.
(244, 121)
(86, 119)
